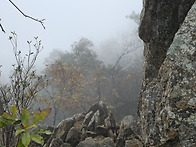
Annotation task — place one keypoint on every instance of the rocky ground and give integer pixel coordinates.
(95, 128)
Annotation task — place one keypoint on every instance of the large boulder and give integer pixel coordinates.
(60, 132)
(160, 20)
(167, 105)
(73, 136)
(127, 134)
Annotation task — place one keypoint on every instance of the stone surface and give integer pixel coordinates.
(73, 136)
(60, 132)
(56, 142)
(96, 142)
(167, 107)
(95, 123)
(133, 143)
(127, 132)
(160, 20)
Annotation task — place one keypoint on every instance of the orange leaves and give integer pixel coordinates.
(67, 81)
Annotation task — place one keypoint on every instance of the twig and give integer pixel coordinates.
(38, 20)
(2, 29)
(125, 52)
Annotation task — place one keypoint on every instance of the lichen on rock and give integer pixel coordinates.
(168, 103)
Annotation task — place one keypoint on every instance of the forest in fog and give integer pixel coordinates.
(97, 73)
(70, 82)
(74, 79)
(79, 78)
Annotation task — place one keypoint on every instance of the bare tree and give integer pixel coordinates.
(23, 88)
(135, 17)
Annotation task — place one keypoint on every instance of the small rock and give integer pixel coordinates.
(96, 142)
(73, 136)
(133, 143)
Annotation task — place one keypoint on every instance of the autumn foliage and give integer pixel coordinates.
(79, 78)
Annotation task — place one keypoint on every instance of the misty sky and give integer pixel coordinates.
(66, 22)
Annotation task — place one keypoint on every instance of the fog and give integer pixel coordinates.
(66, 22)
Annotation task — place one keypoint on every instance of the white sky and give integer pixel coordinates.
(66, 21)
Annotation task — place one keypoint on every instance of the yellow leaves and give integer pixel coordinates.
(13, 110)
(41, 115)
(25, 117)
(43, 100)
(24, 128)
(26, 137)
(8, 118)
(68, 82)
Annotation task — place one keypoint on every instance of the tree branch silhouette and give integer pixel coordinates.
(2, 29)
(41, 21)
(35, 19)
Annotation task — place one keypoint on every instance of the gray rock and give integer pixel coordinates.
(73, 136)
(167, 103)
(101, 107)
(110, 122)
(56, 142)
(97, 123)
(159, 23)
(96, 142)
(66, 145)
(87, 118)
(128, 120)
(61, 130)
(133, 143)
(79, 117)
(126, 130)
(95, 117)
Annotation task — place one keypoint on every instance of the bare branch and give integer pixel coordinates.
(2, 29)
(35, 19)
(125, 52)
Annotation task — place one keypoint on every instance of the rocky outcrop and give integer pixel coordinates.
(160, 20)
(167, 105)
(95, 128)
(128, 135)
(97, 142)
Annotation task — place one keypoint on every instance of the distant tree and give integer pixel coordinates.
(123, 82)
(135, 17)
(84, 56)
(96, 81)
(65, 87)
(69, 75)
